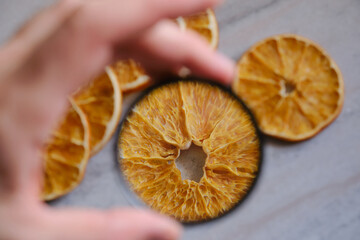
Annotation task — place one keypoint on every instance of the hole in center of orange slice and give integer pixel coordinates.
(191, 163)
(287, 88)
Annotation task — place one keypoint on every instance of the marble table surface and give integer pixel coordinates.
(308, 190)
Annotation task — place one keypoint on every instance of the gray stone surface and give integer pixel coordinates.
(308, 190)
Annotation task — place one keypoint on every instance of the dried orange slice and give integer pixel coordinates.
(204, 23)
(130, 75)
(292, 86)
(66, 154)
(101, 103)
(168, 120)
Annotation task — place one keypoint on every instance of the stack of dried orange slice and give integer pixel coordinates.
(169, 119)
(88, 125)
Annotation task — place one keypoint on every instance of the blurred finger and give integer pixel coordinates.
(129, 224)
(35, 32)
(166, 47)
(48, 21)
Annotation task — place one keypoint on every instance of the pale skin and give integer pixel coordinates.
(59, 50)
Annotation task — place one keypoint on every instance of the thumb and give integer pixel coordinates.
(127, 224)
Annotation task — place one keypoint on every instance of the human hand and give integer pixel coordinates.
(58, 51)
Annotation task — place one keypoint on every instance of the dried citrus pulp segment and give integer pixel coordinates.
(169, 119)
(130, 75)
(66, 154)
(101, 103)
(204, 23)
(292, 86)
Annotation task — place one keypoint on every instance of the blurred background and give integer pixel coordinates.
(308, 190)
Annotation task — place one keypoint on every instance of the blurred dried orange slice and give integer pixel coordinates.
(168, 120)
(101, 103)
(292, 86)
(204, 23)
(89, 124)
(66, 155)
(130, 75)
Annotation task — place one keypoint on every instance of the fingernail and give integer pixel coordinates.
(226, 68)
(164, 228)
(169, 229)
